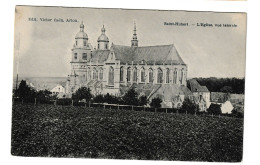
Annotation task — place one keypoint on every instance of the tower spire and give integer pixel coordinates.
(134, 41)
(82, 26)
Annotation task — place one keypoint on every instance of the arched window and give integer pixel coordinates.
(150, 75)
(142, 75)
(181, 76)
(85, 43)
(128, 74)
(167, 75)
(121, 74)
(89, 74)
(159, 76)
(111, 76)
(135, 75)
(101, 74)
(175, 76)
(95, 73)
(75, 56)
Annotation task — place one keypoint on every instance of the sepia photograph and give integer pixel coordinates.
(130, 84)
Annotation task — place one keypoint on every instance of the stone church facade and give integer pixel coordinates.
(151, 70)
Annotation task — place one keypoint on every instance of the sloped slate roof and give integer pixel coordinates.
(196, 87)
(160, 54)
(99, 55)
(170, 91)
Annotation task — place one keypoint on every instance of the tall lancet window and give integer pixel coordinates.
(128, 74)
(101, 74)
(182, 76)
(89, 74)
(121, 74)
(167, 75)
(142, 75)
(111, 76)
(95, 74)
(159, 76)
(135, 75)
(150, 75)
(175, 76)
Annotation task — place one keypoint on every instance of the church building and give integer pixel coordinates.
(154, 71)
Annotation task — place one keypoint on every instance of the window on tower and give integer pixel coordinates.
(98, 46)
(84, 56)
(75, 56)
(76, 42)
(106, 46)
(85, 43)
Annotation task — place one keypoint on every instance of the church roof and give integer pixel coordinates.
(81, 35)
(161, 54)
(99, 56)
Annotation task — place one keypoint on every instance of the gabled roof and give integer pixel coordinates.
(161, 54)
(194, 86)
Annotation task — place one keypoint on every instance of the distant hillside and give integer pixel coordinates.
(231, 85)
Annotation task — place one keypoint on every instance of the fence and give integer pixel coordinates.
(70, 102)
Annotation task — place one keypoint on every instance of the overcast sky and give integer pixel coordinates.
(45, 47)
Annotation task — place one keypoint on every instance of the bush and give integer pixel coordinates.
(214, 109)
(25, 92)
(156, 102)
(82, 93)
(130, 97)
(236, 113)
(188, 106)
(111, 99)
(142, 100)
(99, 99)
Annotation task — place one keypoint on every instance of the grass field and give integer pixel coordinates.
(45, 130)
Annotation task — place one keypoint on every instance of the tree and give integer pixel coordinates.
(142, 100)
(189, 106)
(25, 92)
(44, 96)
(111, 99)
(82, 93)
(214, 109)
(99, 99)
(156, 102)
(226, 89)
(130, 97)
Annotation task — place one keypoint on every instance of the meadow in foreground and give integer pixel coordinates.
(65, 131)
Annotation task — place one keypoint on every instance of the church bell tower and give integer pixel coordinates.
(134, 41)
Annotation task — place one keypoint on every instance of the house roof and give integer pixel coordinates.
(161, 54)
(194, 86)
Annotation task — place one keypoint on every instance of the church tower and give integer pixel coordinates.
(103, 41)
(134, 41)
(81, 49)
(81, 54)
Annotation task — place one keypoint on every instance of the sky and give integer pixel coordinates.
(43, 49)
